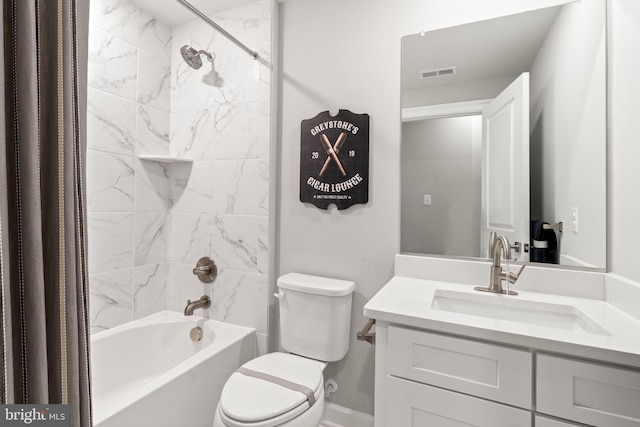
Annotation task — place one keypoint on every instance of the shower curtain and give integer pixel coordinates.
(43, 268)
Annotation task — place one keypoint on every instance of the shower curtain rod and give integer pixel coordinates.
(221, 30)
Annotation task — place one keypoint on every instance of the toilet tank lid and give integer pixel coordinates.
(315, 285)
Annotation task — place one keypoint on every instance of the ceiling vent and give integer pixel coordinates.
(440, 72)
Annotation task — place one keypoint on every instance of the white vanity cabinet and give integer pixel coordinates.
(479, 369)
(438, 380)
(591, 393)
(555, 355)
(434, 379)
(419, 405)
(541, 421)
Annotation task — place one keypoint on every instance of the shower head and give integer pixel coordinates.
(192, 56)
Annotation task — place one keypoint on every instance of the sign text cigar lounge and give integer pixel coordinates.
(334, 159)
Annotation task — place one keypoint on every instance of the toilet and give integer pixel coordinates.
(287, 389)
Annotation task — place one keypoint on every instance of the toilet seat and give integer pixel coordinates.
(258, 402)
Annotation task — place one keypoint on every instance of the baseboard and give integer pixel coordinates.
(339, 416)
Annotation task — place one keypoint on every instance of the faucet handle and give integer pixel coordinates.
(206, 270)
(203, 270)
(512, 277)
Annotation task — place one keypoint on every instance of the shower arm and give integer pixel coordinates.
(210, 56)
(221, 30)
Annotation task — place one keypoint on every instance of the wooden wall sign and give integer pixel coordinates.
(334, 159)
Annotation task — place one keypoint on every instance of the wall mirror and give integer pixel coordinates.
(549, 169)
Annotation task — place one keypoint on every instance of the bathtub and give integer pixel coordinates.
(150, 373)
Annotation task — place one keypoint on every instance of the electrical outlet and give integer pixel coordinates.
(574, 220)
(427, 200)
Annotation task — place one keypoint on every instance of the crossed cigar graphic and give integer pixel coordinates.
(332, 152)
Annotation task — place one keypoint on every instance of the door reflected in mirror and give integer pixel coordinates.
(449, 76)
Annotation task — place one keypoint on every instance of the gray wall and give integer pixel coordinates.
(441, 157)
(624, 150)
(346, 54)
(329, 64)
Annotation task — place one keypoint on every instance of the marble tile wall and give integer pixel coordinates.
(220, 118)
(150, 222)
(129, 200)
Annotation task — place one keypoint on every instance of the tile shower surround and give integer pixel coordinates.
(150, 222)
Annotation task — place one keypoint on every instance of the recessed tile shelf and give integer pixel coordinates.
(164, 159)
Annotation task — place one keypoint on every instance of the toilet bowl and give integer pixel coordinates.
(258, 402)
(284, 389)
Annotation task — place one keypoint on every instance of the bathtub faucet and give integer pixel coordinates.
(202, 302)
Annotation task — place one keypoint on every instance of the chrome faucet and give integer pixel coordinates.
(202, 302)
(500, 247)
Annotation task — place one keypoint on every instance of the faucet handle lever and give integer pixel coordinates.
(512, 277)
(206, 270)
(202, 270)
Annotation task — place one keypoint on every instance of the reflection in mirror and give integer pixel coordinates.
(449, 76)
(442, 157)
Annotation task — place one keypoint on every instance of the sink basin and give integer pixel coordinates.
(501, 307)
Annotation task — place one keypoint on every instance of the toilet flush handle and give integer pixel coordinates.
(279, 295)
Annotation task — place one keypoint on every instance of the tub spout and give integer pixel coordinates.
(202, 302)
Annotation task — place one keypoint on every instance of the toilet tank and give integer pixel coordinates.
(315, 316)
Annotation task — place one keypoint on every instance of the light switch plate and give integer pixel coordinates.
(427, 200)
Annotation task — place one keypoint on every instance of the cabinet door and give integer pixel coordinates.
(480, 369)
(594, 394)
(411, 404)
(548, 422)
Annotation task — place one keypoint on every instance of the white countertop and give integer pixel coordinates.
(407, 301)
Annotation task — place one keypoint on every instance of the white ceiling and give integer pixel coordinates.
(172, 13)
(498, 47)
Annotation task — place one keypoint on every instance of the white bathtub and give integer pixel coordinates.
(150, 373)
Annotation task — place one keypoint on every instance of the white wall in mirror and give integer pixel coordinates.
(568, 131)
(487, 55)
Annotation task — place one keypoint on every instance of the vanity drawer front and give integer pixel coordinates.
(590, 393)
(410, 404)
(548, 422)
(485, 370)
